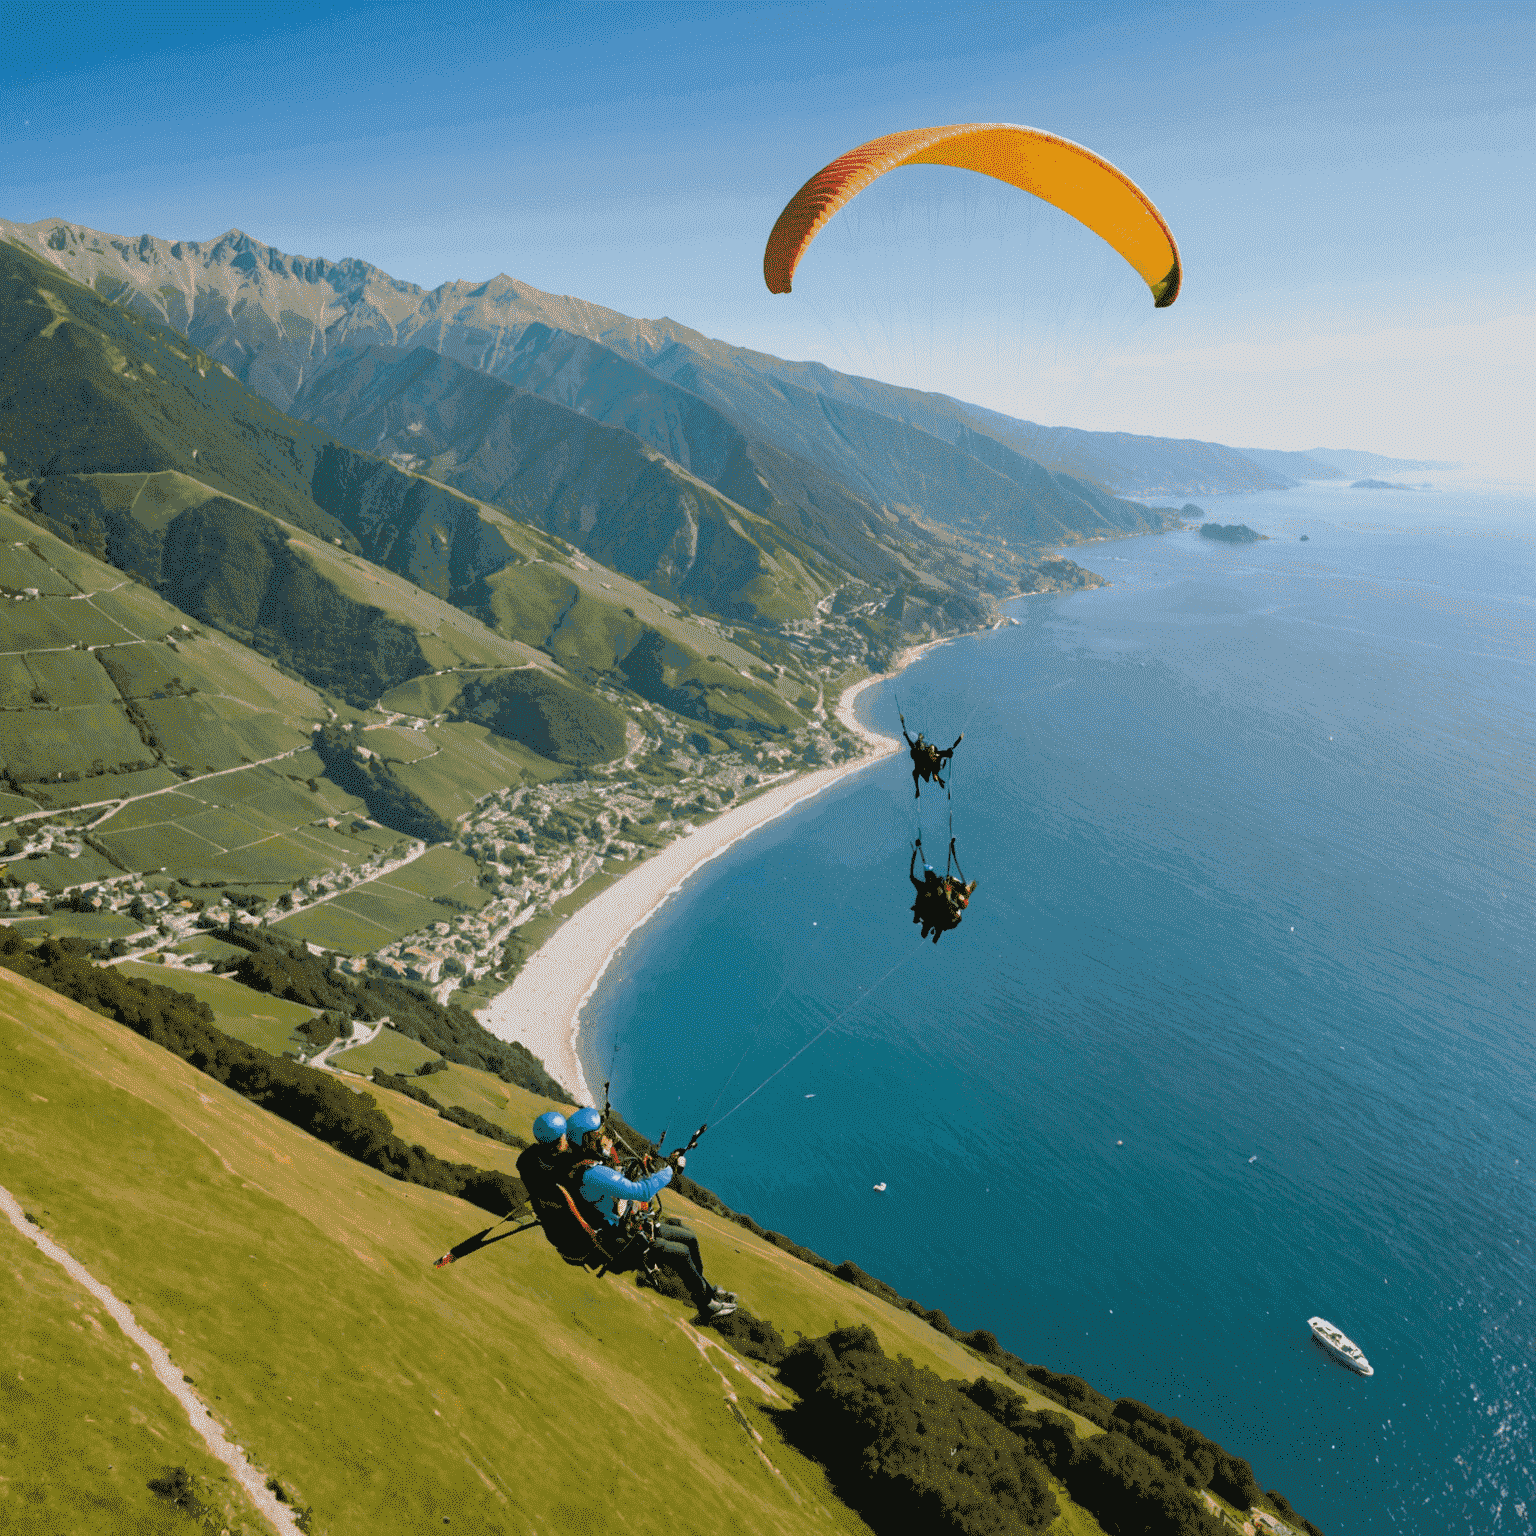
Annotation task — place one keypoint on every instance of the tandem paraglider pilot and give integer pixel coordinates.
(591, 1211)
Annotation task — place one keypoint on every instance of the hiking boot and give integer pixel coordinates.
(715, 1309)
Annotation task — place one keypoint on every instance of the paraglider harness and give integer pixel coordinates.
(941, 899)
(631, 1244)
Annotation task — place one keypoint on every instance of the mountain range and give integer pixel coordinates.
(278, 321)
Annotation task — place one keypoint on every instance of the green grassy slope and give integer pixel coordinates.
(92, 388)
(594, 484)
(295, 1287)
(353, 575)
(86, 1426)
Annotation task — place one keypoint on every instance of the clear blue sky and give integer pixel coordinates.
(1351, 187)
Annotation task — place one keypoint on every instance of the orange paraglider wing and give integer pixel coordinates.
(1060, 172)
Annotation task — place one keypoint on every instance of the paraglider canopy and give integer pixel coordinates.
(1062, 173)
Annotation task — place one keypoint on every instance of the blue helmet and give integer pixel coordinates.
(550, 1126)
(581, 1122)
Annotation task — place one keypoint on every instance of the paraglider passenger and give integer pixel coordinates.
(603, 1186)
(543, 1167)
(927, 759)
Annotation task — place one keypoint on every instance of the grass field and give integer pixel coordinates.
(255, 1017)
(296, 1289)
(391, 1051)
(86, 1425)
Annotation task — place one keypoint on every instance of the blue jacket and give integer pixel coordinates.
(602, 1186)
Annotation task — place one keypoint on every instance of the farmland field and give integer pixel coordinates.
(354, 923)
(21, 568)
(54, 871)
(103, 787)
(399, 743)
(96, 926)
(71, 677)
(16, 680)
(428, 695)
(471, 764)
(57, 624)
(251, 826)
(358, 922)
(70, 740)
(207, 948)
(213, 733)
(441, 872)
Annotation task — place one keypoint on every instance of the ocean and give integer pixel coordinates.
(1238, 1028)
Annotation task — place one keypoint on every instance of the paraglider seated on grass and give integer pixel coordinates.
(927, 759)
(941, 899)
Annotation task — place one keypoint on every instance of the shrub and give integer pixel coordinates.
(907, 1448)
(752, 1336)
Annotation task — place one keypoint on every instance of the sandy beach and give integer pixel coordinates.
(542, 1007)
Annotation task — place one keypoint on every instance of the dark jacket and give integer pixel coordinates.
(543, 1170)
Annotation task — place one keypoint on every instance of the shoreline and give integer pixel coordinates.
(542, 1008)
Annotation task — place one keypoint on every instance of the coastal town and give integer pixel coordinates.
(533, 846)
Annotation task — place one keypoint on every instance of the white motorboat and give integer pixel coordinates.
(1344, 1350)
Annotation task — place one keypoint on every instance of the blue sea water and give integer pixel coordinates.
(1238, 1027)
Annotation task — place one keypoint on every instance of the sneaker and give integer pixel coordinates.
(721, 1294)
(717, 1309)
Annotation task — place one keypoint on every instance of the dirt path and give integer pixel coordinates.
(345, 1043)
(166, 1372)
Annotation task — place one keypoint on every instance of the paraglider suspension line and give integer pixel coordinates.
(856, 1003)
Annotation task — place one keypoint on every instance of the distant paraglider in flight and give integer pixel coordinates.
(1062, 173)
